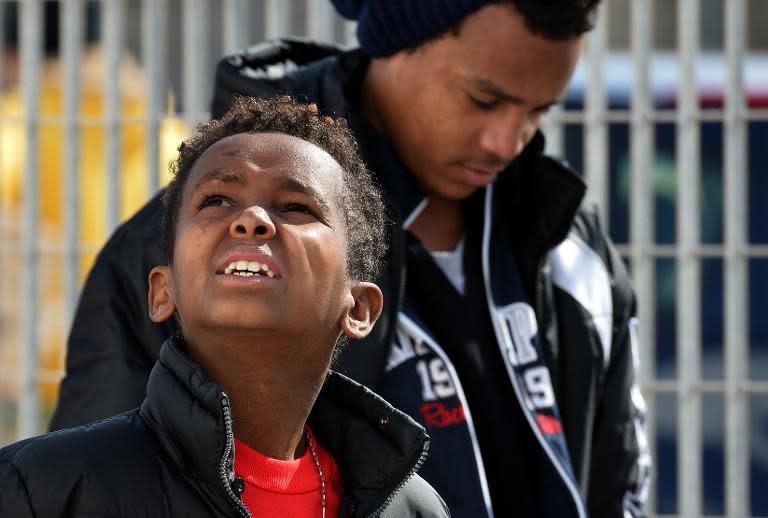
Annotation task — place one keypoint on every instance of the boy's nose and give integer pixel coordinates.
(252, 222)
(504, 144)
(506, 137)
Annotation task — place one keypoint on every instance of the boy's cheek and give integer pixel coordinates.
(190, 242)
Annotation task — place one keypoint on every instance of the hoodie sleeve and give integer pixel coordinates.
(621, 462)
(113, 343)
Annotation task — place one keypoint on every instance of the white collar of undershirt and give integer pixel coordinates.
(452, 265)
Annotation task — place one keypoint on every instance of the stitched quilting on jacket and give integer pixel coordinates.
(593, 448)
(173, 456)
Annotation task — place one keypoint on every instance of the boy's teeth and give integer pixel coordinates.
(248, 268)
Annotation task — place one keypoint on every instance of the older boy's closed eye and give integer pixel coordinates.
(274, 230)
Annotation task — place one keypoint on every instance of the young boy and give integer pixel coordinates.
(274, 232)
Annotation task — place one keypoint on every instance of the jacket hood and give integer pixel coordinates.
(376, 447)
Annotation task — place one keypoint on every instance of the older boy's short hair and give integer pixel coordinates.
(361, 198)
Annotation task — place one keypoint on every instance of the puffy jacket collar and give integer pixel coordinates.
(185, 409)
(542, 192)
(325, 74)
(376, 446)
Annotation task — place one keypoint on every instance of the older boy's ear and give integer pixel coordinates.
(360, 318)
(161, 302)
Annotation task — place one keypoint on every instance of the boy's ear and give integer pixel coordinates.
(161, 302)
(359, 319)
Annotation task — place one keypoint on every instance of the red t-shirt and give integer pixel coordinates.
(282, 488)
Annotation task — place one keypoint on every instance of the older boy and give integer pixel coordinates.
(274, 231)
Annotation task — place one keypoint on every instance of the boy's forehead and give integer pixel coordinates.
(273, 154)
(269, 148)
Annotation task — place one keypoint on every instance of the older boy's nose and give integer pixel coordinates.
(506, 138)
(253, 221)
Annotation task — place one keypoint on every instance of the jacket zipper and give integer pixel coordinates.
(567, 480)
(223, 470)
(404, 481)
(405, 321)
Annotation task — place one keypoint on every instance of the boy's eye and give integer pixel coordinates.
(299, 207)
(215, 200)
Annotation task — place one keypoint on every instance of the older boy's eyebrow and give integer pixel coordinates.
(221, 176)
(492, 89)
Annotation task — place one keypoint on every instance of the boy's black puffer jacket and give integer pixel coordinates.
(172, 456)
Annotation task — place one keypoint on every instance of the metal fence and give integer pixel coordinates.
(181, 62)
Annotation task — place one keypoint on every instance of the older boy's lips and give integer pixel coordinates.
(477, 176)
(248, 260)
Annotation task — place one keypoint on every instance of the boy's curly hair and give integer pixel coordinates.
(361, 198)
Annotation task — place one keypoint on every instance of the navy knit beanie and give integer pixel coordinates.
(385, 27)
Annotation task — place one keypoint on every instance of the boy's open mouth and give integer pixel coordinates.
(248, 269)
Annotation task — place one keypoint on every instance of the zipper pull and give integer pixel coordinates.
(238, 487)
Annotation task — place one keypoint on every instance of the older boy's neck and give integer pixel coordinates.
(440, 225)
(270, 394)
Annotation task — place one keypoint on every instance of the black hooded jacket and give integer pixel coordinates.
(573, 277)
(174, 456)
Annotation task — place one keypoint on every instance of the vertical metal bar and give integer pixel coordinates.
(276, 17)
(2, 44)
(319, 20)
(2, 88)
(31, 60)
(72, 31)
(154, 25)
(350, 33)
(234, 25)
(553, 128)
(688, 305)
(196, 44)
(736, 304)
(114, 38)
(5, 435)
(641, 206)
(3, 209)
(596, 138)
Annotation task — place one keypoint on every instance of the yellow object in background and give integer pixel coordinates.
(93, 160)
(93, 185)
